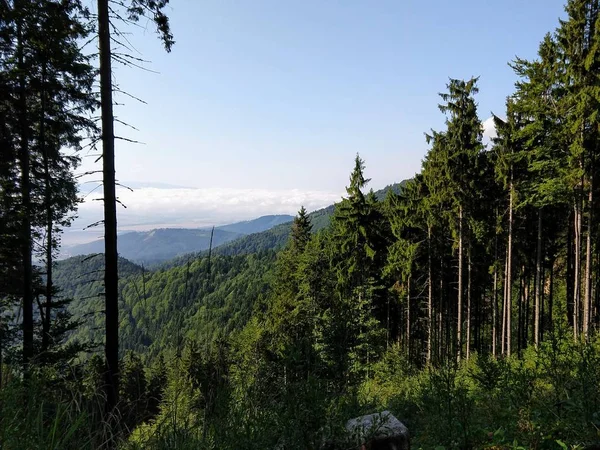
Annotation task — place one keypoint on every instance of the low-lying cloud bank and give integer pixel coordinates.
(154, 207)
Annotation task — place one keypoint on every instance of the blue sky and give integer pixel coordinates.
(280, 95)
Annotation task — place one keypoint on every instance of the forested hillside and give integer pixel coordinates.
(466, 301)
(158, 307)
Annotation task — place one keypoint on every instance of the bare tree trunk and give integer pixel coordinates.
(504, 303)
(527, 298)
(577, 271)
(551, 296)
(429, 298)
(509, 272)
(538, 282)
(469, 301)
(408, 316)
(588, 266)
(49, 223)
(495, 301)
(440, 312)
(460, 286)
(520, 301)
(111, 274)
(544, 312)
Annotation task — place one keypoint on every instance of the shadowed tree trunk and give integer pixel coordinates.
(47, 317)
(429, 297)
(460, 286)
(495, 301)
(469, 302)
(588, 267)
(111, 275)
(577, 271)
(538, 282)
(509, 270)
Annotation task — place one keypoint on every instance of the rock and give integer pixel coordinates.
(380, 431)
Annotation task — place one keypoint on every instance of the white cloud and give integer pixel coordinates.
(489, 129)
(150, 207)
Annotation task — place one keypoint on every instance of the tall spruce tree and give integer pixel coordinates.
(579, 48)
(463, 142)
(537, 102)
(48, 100)
(354, 242)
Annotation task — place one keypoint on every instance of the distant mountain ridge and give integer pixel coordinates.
(263, 223)
(170, 246)
(158, 245)
(277, 236)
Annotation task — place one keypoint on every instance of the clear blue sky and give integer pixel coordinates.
(282, 94)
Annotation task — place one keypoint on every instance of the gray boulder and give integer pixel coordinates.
(380, 431)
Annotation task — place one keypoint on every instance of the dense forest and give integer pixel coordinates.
(465, 300)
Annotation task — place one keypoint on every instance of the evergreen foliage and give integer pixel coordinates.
(465, 301)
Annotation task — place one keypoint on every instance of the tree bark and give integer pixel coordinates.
(440, 331)
(588, 266)
(49, 220)
(538, 282)
(408, 316)
(495, 301)
(509, 271)
(551, 297)
(504, 302)
(460, 286)
(111, 275)
(429, 297)
(468, 302)
(577, 271)
(520, 302)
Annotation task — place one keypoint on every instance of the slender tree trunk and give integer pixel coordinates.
(408, 316)
(544, 313)
(509, 271)
(111, 274)
(440, 312)
(504, 303)
(26, 246)
(527, 298)
(520, 302)
(587, 305)
(595, 316)
(429, 297)
(577, 271)
(460, 286)
(538, 282)
(469, 301)
(570, 263)
(49, 224)
(551, 296)
(495, 299)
